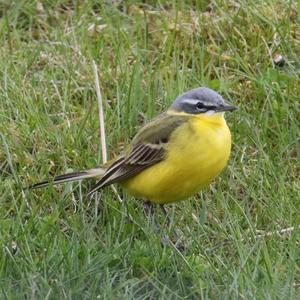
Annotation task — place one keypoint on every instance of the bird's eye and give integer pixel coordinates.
(200, 105)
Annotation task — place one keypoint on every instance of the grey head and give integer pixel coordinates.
(201, 100)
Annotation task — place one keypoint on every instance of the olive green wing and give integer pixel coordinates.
(147, 148)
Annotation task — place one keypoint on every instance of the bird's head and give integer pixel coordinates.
(201, 101)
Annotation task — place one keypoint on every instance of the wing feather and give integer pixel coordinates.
(148, 147)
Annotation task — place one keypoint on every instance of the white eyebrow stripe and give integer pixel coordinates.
(190, 101)
(195, 101)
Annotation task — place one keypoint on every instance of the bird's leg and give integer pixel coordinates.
(165, 212)
(165, 239)
(149, 209)
(175, 240)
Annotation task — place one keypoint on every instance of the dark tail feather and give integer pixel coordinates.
(69, 177)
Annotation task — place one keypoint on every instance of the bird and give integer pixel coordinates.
(171, 158)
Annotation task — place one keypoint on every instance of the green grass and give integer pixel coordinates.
(68, 246)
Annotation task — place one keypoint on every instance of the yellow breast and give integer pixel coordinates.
(197, 152)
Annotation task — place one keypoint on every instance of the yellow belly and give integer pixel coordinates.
(197, 152)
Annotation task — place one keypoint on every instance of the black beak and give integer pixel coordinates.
(226, 107)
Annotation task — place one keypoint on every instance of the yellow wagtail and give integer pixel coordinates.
(172, 157)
